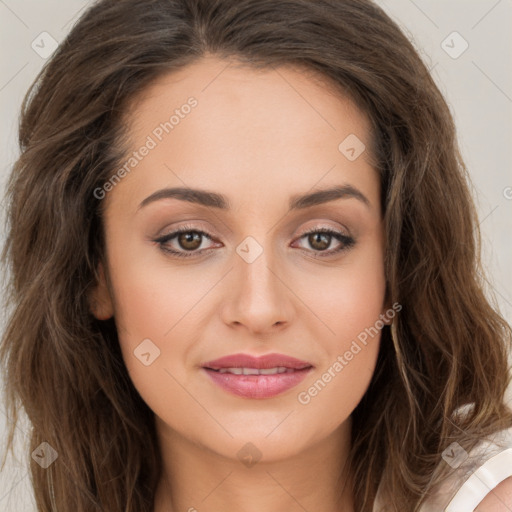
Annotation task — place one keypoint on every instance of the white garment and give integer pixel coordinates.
(474, 476)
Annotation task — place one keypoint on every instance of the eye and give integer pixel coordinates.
(321, 238)
(189, 241)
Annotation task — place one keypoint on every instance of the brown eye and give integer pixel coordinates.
(319, 241)
(190, 240)
(184, 242)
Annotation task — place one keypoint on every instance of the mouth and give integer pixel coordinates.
(257, 377)
(256, 371)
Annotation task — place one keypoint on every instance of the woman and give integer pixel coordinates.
(245, 271)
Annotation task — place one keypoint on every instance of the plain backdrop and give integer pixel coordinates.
(472, 68)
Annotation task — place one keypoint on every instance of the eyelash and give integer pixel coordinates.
(347, 241)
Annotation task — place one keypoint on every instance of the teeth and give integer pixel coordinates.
(256, 371)
(271, 371)
(236, 371)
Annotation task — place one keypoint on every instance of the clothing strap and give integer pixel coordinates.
(482, 482)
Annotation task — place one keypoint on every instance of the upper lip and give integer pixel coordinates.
(262, 362)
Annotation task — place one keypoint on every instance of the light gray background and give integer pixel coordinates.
(477, 85)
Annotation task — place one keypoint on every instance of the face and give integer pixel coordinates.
(257, 270)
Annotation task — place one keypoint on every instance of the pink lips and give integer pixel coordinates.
(291, 372)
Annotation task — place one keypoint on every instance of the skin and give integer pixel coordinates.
(499, 499)
(258, 137)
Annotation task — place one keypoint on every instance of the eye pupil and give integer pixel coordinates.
(322, 238)
(189, 240)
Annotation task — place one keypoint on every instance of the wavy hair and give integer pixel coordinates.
(64, 368)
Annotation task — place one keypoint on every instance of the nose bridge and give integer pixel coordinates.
(254, 266)
(258, 296)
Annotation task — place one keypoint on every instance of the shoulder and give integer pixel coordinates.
(484, 479)
(499, 499)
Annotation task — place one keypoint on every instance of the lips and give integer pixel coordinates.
(263, 362)
(257, 377)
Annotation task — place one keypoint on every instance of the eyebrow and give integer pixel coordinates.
(215, 200)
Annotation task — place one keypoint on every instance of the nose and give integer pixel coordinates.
(257, 297)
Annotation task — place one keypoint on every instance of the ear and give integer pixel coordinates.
(100, 299)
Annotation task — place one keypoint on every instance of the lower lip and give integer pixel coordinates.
(257, 386)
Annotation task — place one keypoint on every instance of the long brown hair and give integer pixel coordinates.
(65, 368)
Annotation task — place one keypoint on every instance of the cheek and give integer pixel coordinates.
(337, 386)
(155, 335)
(350, 307)
(151, 295)
(150, 307)
(346, 298)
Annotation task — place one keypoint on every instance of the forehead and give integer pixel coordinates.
(268, 129)
(271, 97)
